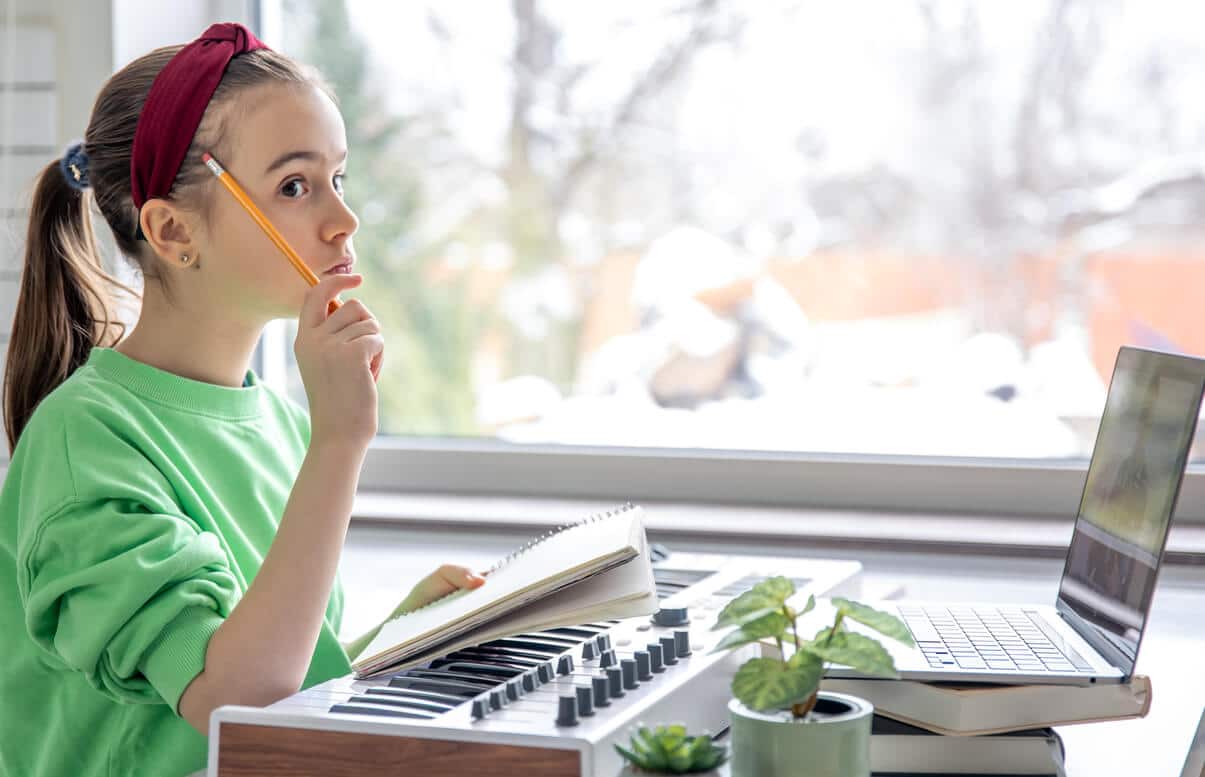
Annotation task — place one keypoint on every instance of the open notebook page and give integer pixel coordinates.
(554, 563)
(590, 600)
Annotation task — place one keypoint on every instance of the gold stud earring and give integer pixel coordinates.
(185, 258)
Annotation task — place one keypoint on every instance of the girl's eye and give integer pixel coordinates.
(293, 188)
(338, 182)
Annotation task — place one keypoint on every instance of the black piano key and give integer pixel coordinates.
(551, 639)
(392, 701)
(478, 668)
(451, 674)
(439, 685)
(356, 709)
(510, 654)
(547, 648)
(582, 634)
(446, 699)
(493, 660)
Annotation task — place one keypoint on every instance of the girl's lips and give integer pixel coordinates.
(339, 269)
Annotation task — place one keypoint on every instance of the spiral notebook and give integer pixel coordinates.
(594, 569)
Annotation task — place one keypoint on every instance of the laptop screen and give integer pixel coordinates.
(1133, 480)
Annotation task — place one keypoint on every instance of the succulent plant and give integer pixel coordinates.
(670, 750)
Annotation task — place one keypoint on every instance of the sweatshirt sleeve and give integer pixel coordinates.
(124, 595)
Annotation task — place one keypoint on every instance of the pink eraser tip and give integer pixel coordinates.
(206, 157)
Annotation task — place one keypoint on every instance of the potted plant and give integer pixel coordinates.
(782, 724)
(670, 750)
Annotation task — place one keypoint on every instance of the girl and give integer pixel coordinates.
(169, 526)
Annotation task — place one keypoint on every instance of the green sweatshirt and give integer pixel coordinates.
(136, 511)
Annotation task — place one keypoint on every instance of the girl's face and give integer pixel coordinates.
(288, 150)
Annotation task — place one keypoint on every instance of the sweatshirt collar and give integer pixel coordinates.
(185, 394)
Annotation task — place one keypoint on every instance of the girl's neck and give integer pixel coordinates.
(190, 345)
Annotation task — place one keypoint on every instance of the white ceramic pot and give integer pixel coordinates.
(834, 741)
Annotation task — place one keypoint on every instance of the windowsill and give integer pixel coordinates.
(999, 535)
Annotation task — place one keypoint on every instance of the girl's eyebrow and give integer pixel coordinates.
(289, 156)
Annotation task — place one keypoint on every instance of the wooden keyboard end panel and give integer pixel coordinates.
(272, 751)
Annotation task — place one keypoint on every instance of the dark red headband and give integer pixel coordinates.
(175, 105)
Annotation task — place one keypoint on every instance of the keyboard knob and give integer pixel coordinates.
(544, 672)
(628, 667)
(656, 656)
(497, 699)
(614, 682)
(671, 616)
(668, 654)
(566, 711)
(682, 643)
(603, 641)
(564, 665)
(585, 701)
(607, 658)
(512, 690)
(481, 708)
(529, 681)
(602, 697)
(644, 669)
(588, 651)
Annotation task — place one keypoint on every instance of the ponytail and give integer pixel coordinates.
(65, 306)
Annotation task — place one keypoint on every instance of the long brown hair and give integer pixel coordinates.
(67, 303)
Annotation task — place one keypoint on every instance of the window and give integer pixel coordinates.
(838, 230)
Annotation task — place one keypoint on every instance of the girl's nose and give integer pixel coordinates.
(341, 222)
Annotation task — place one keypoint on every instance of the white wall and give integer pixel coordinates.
(54, 57)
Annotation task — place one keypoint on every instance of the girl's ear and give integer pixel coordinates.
(169, 231)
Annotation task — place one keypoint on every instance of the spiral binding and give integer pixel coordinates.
(553, 532)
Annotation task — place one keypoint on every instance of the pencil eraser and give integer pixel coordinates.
(206, 157)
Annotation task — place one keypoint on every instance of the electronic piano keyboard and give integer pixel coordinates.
(546, 704)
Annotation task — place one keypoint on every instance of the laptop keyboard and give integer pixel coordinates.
(989, 638)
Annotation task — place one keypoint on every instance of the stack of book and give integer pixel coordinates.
(973, 729)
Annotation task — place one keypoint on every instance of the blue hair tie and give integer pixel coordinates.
(74, 166)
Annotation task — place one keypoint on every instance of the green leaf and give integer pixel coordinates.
(629, 756)
(750, 604)
(811, 605)
(704, 754)
(679, 758)
(771, 624)
(735, 639)
(805, 662)
(778, 589)
(857, 651)
(744, 620)
(767, 683)
(885, 623)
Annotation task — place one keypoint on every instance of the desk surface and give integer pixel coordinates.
(380, 564)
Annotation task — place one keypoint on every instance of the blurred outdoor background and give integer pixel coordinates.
(915, 227)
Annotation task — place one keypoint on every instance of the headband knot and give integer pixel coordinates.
(176, 104)
(74, 166)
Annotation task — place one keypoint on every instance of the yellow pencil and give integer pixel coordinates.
(228, 181)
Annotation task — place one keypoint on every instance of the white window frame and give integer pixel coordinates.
(1029, 488)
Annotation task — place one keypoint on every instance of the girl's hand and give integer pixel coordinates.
(437, 585)
(339, 356)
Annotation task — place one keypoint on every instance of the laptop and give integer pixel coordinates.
(1093, 631)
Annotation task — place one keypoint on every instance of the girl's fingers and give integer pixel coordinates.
(318, 298)
(358, 329)
(461, 577)
(353, 311)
